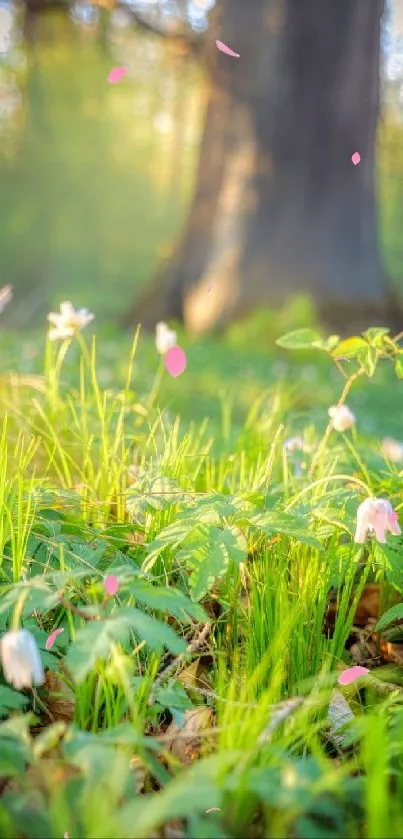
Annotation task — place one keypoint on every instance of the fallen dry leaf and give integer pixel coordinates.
(139, 771)
(338, 715)
(60, 699)
(185, 743)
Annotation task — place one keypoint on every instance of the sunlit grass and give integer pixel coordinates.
(210, 527)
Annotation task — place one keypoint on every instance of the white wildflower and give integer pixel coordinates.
(21, 659)
(165, 338)
(376, 515)
(392, 449)
(67, 322)
(342, 418)
(6, 294)
(293, 444)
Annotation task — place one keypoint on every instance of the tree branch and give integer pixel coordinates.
(190, 40)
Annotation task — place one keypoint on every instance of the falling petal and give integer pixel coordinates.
(111, 584)
(356, 157)
(116, 75)
(227, 50)
(175, 361)
(52, 637)
(351, 674)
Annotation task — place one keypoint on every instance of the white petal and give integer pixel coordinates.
(21, 659)
(67, 310)
(56, 318)
(364, 516)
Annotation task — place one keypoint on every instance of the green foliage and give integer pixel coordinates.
(300, 339)
(262, 536)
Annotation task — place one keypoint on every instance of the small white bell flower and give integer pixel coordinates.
(376, 515)
(293, 444)
(6, 294)
(67, 322)
(342, 418)
(21, 660)
(392, 449)
(165, 338)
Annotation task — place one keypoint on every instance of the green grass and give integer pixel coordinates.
(216, 535)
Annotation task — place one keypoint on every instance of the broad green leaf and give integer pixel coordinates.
(300, 339)
(48, 738)
(11, 700)
(389, 558)
(213, 507)
(328, 344)
(173, 536)
(271, 522)
(350, 347)
(94, 641)
(12, 758)
(209, 562)
(154, 494)
(89, 554)
(174, 696)
(375, 335)
(393, 614)
(156, 633)
(167, 599)
(38, 596)
(368, 359)
(399, 367)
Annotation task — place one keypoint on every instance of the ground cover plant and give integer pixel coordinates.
(211, 575)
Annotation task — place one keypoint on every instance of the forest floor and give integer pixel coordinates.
(203, 696)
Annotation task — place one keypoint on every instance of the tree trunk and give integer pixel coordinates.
(279, 207)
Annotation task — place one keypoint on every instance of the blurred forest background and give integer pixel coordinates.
(96, 180)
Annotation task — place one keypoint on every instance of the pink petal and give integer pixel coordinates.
(394, 526)
(52, 638)
(350, 675)
(175, 361)
(111, 584)
(356, 157)
(227, 50)
(116, 75)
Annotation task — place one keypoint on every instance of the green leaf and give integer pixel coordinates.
(12, 757)
(94, 641)
(38, 596)
(11, 700)
(271, 522)
(157, 493)
(167, 599)
(368, 360)
(399, 367)
(156, 633)
(300, 339)
(210, 561)
(84, 554)
(350, 347)
(48, 738)
(174, 696)
(388, 557)
(393, 614)
(328, 344)
(214, 507)
(375, 336)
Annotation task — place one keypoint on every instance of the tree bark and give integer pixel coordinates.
(279, 208)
